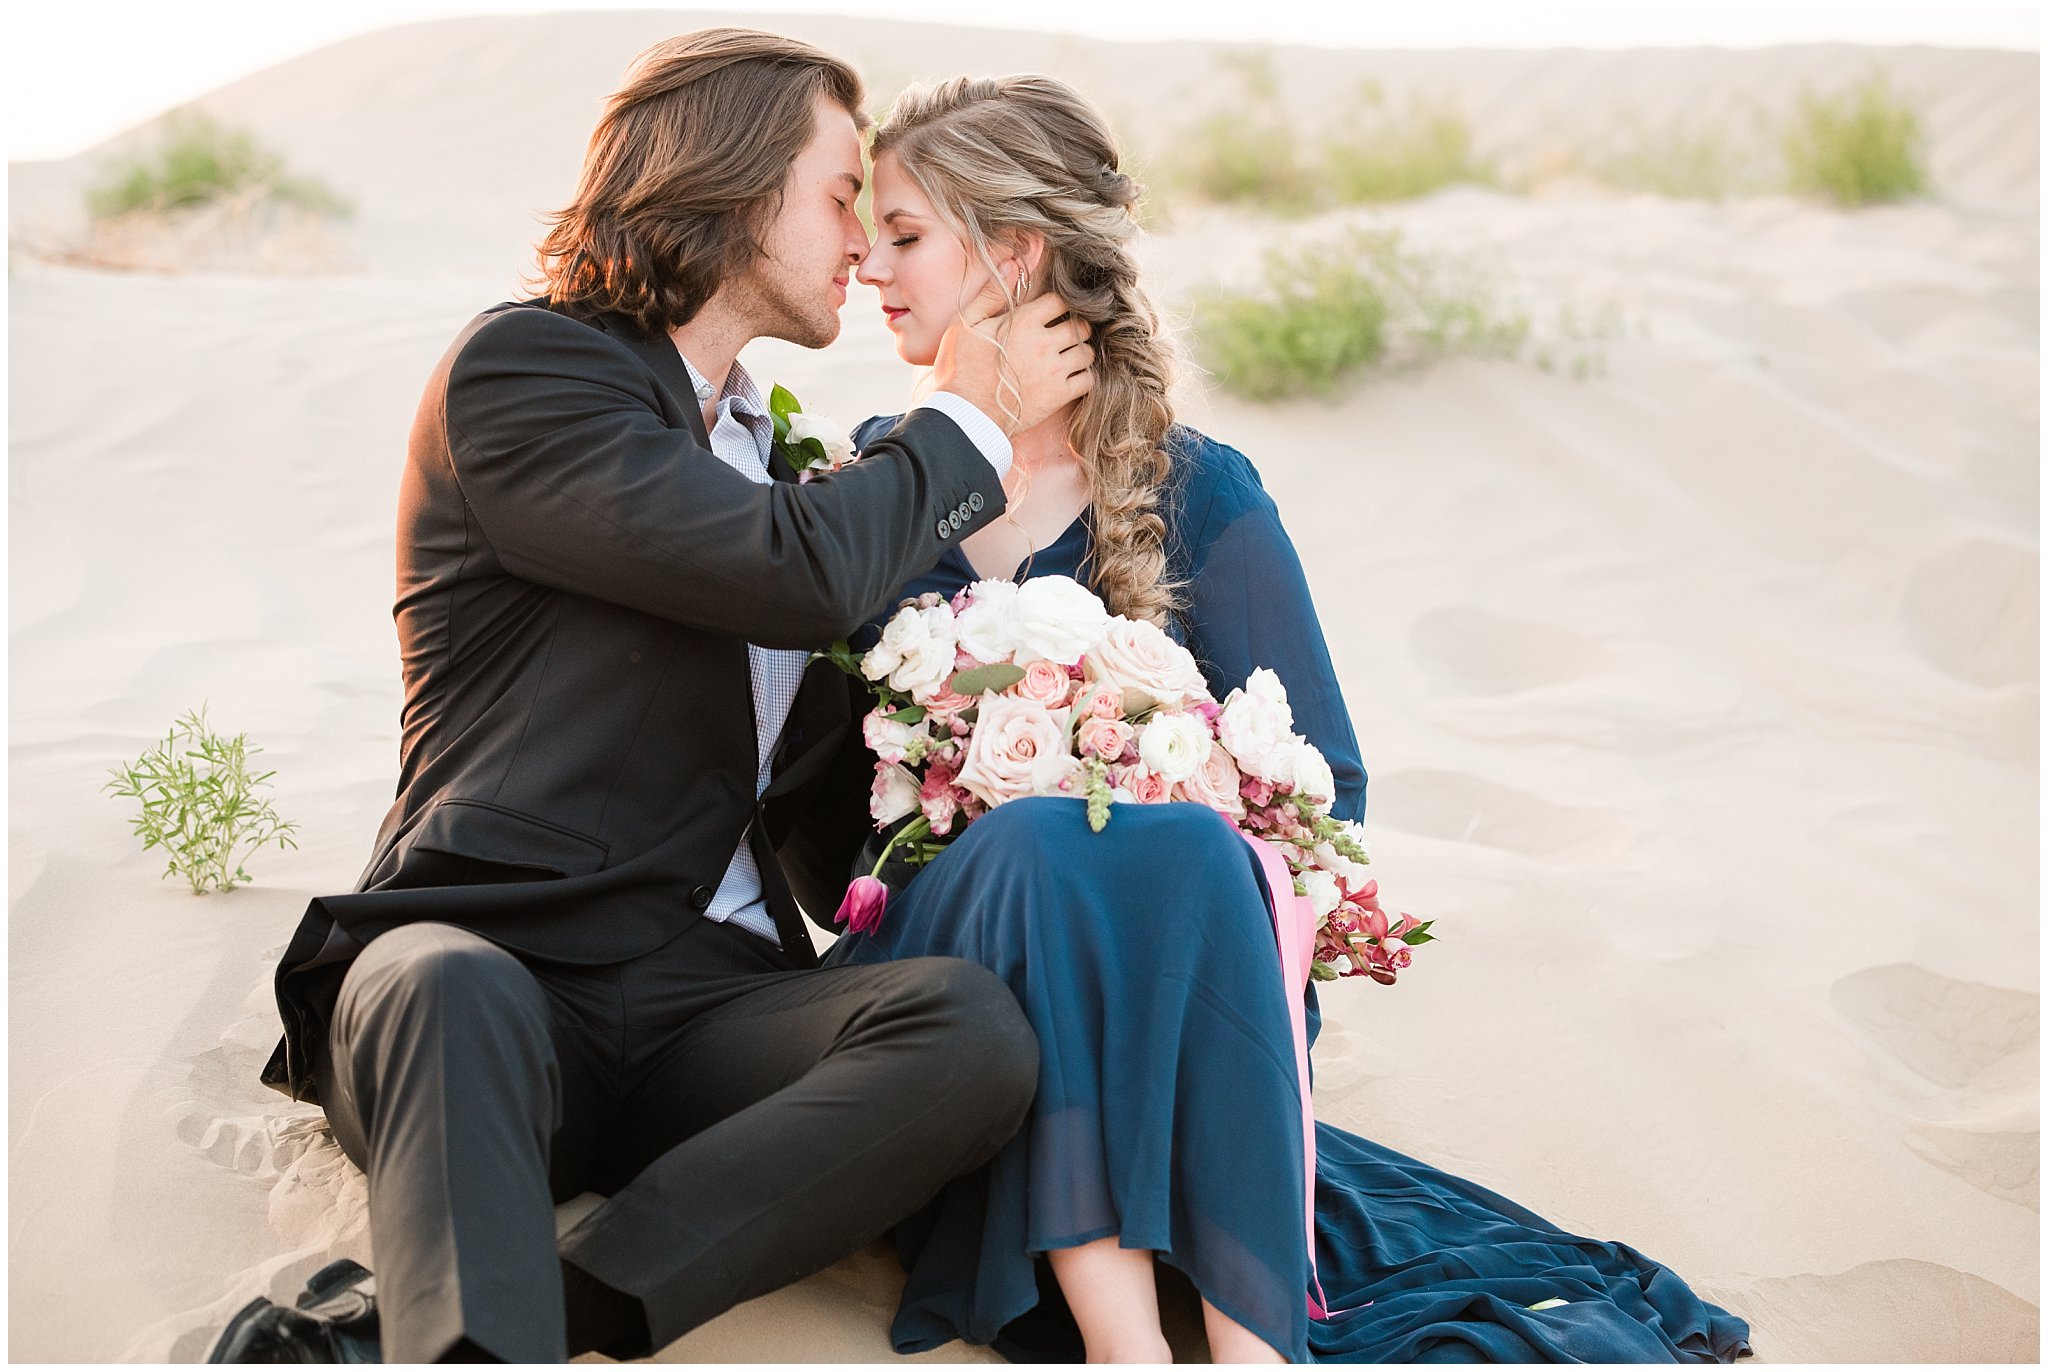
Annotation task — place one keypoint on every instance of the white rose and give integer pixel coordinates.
(1322, 892)
(1259, 735)
(894, 795)
(1059, 618)
(1139, 655)
(988, 626)
(915, 652)
(1018, 748)
(1174, 746)
(837, 442)
(1312, 775)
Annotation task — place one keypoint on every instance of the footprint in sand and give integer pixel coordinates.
(1895, 1310)
(1474, 652)
(1464, 808)
(1980, 1041)
(1972, 610)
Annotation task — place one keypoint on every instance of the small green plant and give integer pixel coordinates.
(1323, 312)
(1858, 146)
(1697, 157)
(1248, 153)
(198, 161)
(199, 803)
(1378, 154)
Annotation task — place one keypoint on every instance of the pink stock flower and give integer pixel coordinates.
(862, 908)
(1258, 791)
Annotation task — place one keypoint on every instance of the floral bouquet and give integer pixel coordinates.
(1012, 690)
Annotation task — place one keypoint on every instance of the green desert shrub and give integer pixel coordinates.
(197, 801)
(1858, 146)
(198, 160)
(1378, 154)
(1322, 313)
(1700, 157)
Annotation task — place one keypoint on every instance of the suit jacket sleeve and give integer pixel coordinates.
(558, 443)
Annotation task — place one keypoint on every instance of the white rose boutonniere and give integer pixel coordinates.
(812, 444)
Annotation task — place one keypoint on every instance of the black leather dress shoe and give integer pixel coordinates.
(333, 1320)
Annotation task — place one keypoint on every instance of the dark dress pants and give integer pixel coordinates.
(749, 1123)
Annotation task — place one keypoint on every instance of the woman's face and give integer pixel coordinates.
(922, 270)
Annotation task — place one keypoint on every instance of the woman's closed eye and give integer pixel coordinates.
(904, 241)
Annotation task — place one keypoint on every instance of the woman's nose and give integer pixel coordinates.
(871, 272)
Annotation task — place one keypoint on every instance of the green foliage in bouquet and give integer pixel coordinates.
(199, 804)
(198, 161)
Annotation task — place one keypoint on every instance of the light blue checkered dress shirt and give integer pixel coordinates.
(742, 439)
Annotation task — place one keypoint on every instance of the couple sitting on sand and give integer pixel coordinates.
(576, 961)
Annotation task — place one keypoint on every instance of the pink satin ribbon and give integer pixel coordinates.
(1294, 930)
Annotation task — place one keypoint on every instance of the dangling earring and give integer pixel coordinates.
(1023, 283)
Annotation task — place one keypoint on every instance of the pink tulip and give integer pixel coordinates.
(862, 909)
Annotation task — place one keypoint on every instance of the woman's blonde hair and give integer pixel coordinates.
(1002, 156)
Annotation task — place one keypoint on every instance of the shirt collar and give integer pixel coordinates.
(739, 388)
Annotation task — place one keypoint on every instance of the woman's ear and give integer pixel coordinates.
(1027, 250)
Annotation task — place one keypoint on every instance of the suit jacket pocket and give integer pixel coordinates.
(490, 833)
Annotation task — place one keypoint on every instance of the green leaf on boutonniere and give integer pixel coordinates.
(998, 677)
(781, 405)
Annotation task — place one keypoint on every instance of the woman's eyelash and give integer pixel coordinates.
(904, 241)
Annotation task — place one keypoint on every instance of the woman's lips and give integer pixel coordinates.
(893, 313)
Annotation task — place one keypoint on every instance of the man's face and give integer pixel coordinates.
(794, 292)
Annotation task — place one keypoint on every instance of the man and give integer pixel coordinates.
(575, 960)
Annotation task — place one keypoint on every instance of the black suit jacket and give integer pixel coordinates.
(578, 577)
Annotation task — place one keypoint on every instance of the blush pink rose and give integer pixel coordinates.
(1019, 748)
(1044, 681)
(1215, 784)
(1103, 702)
(1104, 738)
(1144, 787)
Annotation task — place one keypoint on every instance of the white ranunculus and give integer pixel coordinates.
(915, 652)
(1136, 654)
(1312, 775)
(1174, 746)
(1322, 892)
(894, 794)
(837, 442)
(1266, 686)
(1058, 618)
(987, 628)
(1260, 736)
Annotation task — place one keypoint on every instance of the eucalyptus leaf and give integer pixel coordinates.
(998, 677)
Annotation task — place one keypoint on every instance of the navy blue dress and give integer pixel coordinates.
(1168, 1109)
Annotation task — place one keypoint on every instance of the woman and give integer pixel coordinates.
(1167, 1124)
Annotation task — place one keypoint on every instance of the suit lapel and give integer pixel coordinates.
(666, 363)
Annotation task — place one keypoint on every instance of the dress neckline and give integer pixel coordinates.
(959, 553)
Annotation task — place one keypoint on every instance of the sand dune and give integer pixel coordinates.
(1700, 697)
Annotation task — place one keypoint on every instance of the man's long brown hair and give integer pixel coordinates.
(685, 171)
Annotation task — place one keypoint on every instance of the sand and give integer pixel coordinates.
(1699, 693)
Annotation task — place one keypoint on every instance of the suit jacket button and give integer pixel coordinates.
(701, 897)
(954, 519)
(944, 532)
(975, 502)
